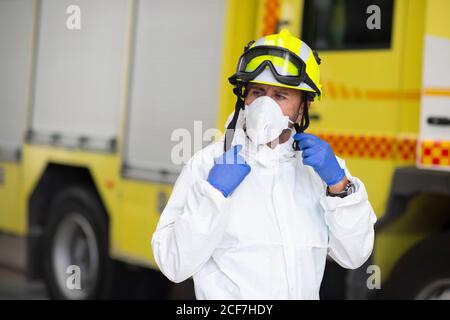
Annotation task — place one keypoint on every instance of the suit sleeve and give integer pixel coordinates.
(190, 227)
(350, 222)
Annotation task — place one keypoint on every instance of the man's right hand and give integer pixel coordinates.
(229, 171)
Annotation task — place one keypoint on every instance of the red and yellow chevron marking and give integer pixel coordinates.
(372, 147)
(435, 153)
(400, 148)
(271, 16)
(341, 91)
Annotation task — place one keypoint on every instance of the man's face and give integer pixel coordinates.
(288, 99)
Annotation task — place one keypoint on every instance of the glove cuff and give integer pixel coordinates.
(336, 178)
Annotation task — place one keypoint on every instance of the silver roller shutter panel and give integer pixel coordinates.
(79, 73)
(15, 49)
(174, 81)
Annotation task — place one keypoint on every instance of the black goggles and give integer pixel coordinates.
(289, 69)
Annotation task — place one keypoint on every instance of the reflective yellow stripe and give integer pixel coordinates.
(443, 92)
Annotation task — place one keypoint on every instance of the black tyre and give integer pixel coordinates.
(423, 273)
(76, 234)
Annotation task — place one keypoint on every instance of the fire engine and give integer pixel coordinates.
(87, 113)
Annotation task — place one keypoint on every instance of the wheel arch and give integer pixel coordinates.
(408, 183)
(55, 177)
(434, 248)
(418, 208)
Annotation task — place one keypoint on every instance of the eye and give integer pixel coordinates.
(257, 92)
(279, 96)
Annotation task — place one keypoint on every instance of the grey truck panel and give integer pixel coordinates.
(15, 46)
(79, 72)
(174, 81)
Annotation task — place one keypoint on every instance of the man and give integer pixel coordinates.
(257, 221)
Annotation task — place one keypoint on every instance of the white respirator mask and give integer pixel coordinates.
(264, 120)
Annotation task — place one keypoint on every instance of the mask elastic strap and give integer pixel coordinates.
(239, 91)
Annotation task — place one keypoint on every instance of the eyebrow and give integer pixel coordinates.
(257, 87)
(282, 91)
(278, 90)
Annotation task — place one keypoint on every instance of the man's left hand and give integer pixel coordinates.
(319, 155)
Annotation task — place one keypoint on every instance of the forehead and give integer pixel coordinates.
(267, 87)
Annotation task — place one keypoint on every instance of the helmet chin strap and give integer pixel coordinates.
(304, 122)
(240, 92)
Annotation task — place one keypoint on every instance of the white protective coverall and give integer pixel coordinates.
(270, 238)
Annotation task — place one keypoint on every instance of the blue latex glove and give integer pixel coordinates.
(319, 155)
(228, 171)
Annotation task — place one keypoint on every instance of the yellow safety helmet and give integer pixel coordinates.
(280, 60)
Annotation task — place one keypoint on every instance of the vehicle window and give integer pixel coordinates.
(342, 24)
